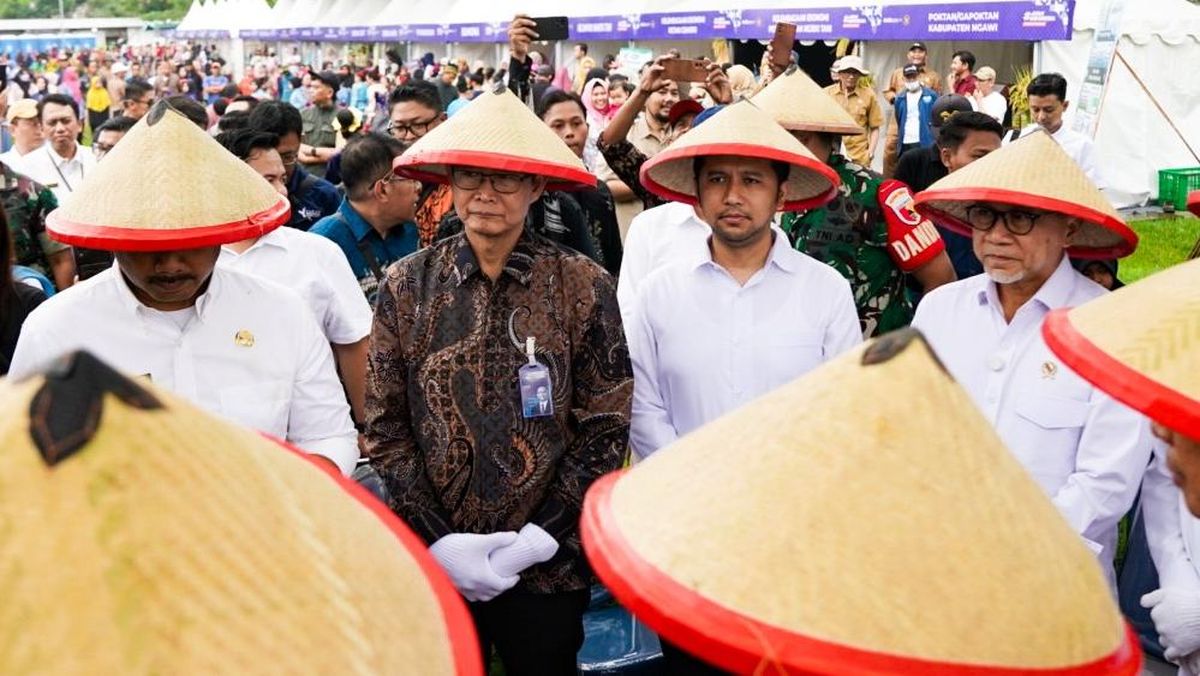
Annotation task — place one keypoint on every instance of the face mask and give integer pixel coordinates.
(912, 85)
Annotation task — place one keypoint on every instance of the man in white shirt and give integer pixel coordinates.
(62, 164)
(1087, 451)
(656, 236)
(26, 130)
(1047, 103)
(308, 263)
(741, 312)
(232, 343)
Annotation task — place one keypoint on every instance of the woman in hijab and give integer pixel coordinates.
(741, 80)
(595, 99)
(70, 83)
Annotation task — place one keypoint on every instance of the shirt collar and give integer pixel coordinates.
(134, 306)
(358, 225)
(61, 161)
(275, 238)
(1054, 293)
(779, 256)
(519, 265)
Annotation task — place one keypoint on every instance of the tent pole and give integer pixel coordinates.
(1121, 58)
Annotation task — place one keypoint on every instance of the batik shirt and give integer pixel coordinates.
(444, 414)
(26, 204)
(851, 235)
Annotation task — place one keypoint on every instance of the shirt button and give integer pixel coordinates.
(996, 362)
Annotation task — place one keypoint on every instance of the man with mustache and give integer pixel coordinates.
(232, 343)
(62, 164)
(1028, 207)
(740, 312)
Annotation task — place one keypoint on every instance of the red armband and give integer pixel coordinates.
(913, 241)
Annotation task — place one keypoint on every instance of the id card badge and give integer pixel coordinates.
(537, 392)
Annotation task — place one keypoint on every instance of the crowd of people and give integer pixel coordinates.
(478, 289)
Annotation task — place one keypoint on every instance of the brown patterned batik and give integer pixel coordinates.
(444, 417)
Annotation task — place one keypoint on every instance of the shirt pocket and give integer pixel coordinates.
(786, 356)
(1047, 444)
(262, 406)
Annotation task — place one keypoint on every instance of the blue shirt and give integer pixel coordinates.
(349, 231)
(214, 81)
(312, 199)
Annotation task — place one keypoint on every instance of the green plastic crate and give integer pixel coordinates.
(1175, 184)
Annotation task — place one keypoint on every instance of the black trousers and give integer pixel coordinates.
(534, 634)
(676, 662)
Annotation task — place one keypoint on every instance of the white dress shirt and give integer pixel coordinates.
(314, 267)
(912, 118)
(655, 237)
(1080, 148)
(703, 345)
(1172, 533)
(252, 352)
(14, 160)
(1087, 451)
(62, 176)
(994, 105)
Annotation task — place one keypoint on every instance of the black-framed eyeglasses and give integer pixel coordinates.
(503, 183)
(289, 158)
(101, 149)
(417, 129)
(983, 218)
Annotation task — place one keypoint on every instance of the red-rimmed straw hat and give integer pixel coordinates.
(742, 130)
(1032, 172)
(498, 132)
(167, 185)
(830, 527)
(144, 536)
(799, 104)
(1140, 344)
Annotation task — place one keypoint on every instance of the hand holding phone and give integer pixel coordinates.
(781, 44)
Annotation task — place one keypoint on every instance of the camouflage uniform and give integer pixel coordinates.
(26, 204)
(851, 235)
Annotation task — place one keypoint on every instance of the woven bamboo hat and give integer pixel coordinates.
(743, 130)
(1032, 172)
(799, 104)
(495, 132)
(200, 195)
(855, 534)
(1140, 344)
(143, 536)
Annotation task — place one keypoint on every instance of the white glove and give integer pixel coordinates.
(533, 545)
(1191, 664)
(464, 556)
(1176, 616)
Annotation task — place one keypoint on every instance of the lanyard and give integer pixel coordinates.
(59, 170)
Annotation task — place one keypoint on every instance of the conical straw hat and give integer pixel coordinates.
(799, 104)
(496, 131)
(864, 519)
(1032, 172)
(139, 535)
(167, 185)
(741, 129)
(1140, 344)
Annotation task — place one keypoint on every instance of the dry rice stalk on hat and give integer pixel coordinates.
(1140, 344)
(495, 132)
(864, 519)
(140, 535)
(1032, 172)
(201, 194)
(742, 130)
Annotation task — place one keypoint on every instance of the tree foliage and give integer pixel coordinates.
(146, 9)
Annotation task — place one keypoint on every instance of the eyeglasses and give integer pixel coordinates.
(101, 149)
(414, 129)
(289, 158)
(983, 218)
(503, 183)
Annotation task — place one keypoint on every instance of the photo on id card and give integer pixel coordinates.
(537, 393)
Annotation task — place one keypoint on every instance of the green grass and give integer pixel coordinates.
(1163, 242)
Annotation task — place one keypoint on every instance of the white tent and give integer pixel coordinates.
(1133, 139)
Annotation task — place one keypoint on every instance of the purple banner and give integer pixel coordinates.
(1021, 20)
